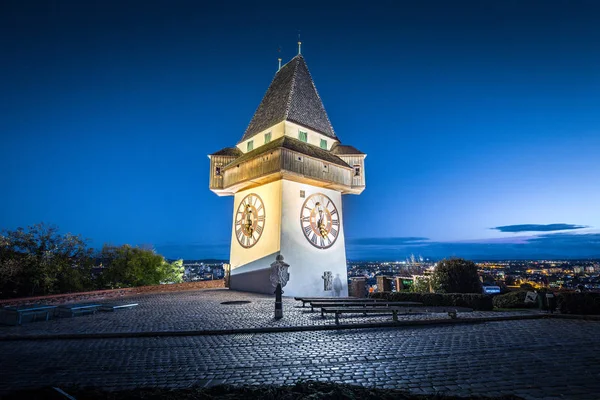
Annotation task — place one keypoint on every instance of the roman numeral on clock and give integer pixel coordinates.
(314, 238)
(307, 230)
(259, 229)
(334, 232)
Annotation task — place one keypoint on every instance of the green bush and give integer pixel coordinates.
(513, 300)
(456, 275)
(479, 302)
(579, 303)
(128, 266)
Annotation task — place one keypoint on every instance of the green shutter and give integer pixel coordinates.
(250, 145)
(324, 144)
(303, 136)
(267, 137)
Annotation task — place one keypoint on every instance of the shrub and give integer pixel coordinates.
(134, 266)
(479, 302)
(579, 303)
(513, 300)
(39, 260)
(456, 275)
(421, 284)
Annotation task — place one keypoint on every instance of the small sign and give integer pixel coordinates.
(491, 289)
(530, 297)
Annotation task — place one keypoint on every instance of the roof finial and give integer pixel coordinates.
(299, 44)
(279, 59)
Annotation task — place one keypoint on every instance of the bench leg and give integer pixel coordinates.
(337, 318)
(322, 313)
(395, 315)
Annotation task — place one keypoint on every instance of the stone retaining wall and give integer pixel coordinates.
(113, 293)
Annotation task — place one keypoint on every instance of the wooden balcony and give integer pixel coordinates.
(282, 163)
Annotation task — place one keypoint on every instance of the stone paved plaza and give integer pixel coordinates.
(534, 359)
(202, 310)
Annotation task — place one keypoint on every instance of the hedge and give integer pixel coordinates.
(579, 303)
(479, 302)
(513, 300)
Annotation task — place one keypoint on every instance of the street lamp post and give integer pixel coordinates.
(279, 278)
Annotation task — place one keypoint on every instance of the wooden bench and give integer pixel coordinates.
(305, 300)
(114, 307)
(70, 310)
(20, 311)
(321, 304)
(361, 310)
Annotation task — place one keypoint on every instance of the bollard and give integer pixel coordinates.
(279, 278)
(278, 304)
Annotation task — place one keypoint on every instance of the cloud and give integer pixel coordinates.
(538, 228)
(393, 241)
(548, 246)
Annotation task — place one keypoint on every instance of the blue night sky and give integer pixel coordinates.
(481, 119)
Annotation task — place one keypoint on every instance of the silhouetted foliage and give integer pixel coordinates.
(39, 260)
(513, 300)
(456, 275)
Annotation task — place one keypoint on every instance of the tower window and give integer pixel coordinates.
(218, 170)
(356, 169)
(324, 144)
(303, 136)
(267, 137)
(250, 145)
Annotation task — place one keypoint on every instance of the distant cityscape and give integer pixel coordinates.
(552, 274)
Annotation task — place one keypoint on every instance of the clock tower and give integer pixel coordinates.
(287, 175)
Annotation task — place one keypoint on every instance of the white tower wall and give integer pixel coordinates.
(250, 268)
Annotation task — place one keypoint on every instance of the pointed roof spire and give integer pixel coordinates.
(292, 96)
(299, 43)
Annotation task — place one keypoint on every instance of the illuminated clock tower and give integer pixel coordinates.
(287, 175)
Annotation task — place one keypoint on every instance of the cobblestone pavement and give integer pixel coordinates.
(535, 359)
(202, 310)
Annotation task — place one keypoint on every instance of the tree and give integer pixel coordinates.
(173, 272)
(127, 266)
(39, 260)
(421, 284)
(456, 275)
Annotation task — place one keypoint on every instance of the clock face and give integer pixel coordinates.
(320, 221)
(249, 220)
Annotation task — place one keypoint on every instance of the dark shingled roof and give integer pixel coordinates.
(292, 96)
(228, 151)
(294, 145)
(343, 149)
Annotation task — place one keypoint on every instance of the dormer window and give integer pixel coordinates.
(324, 144)
(303, 136)
(218, 170)
(250, 145)
(267, 137)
